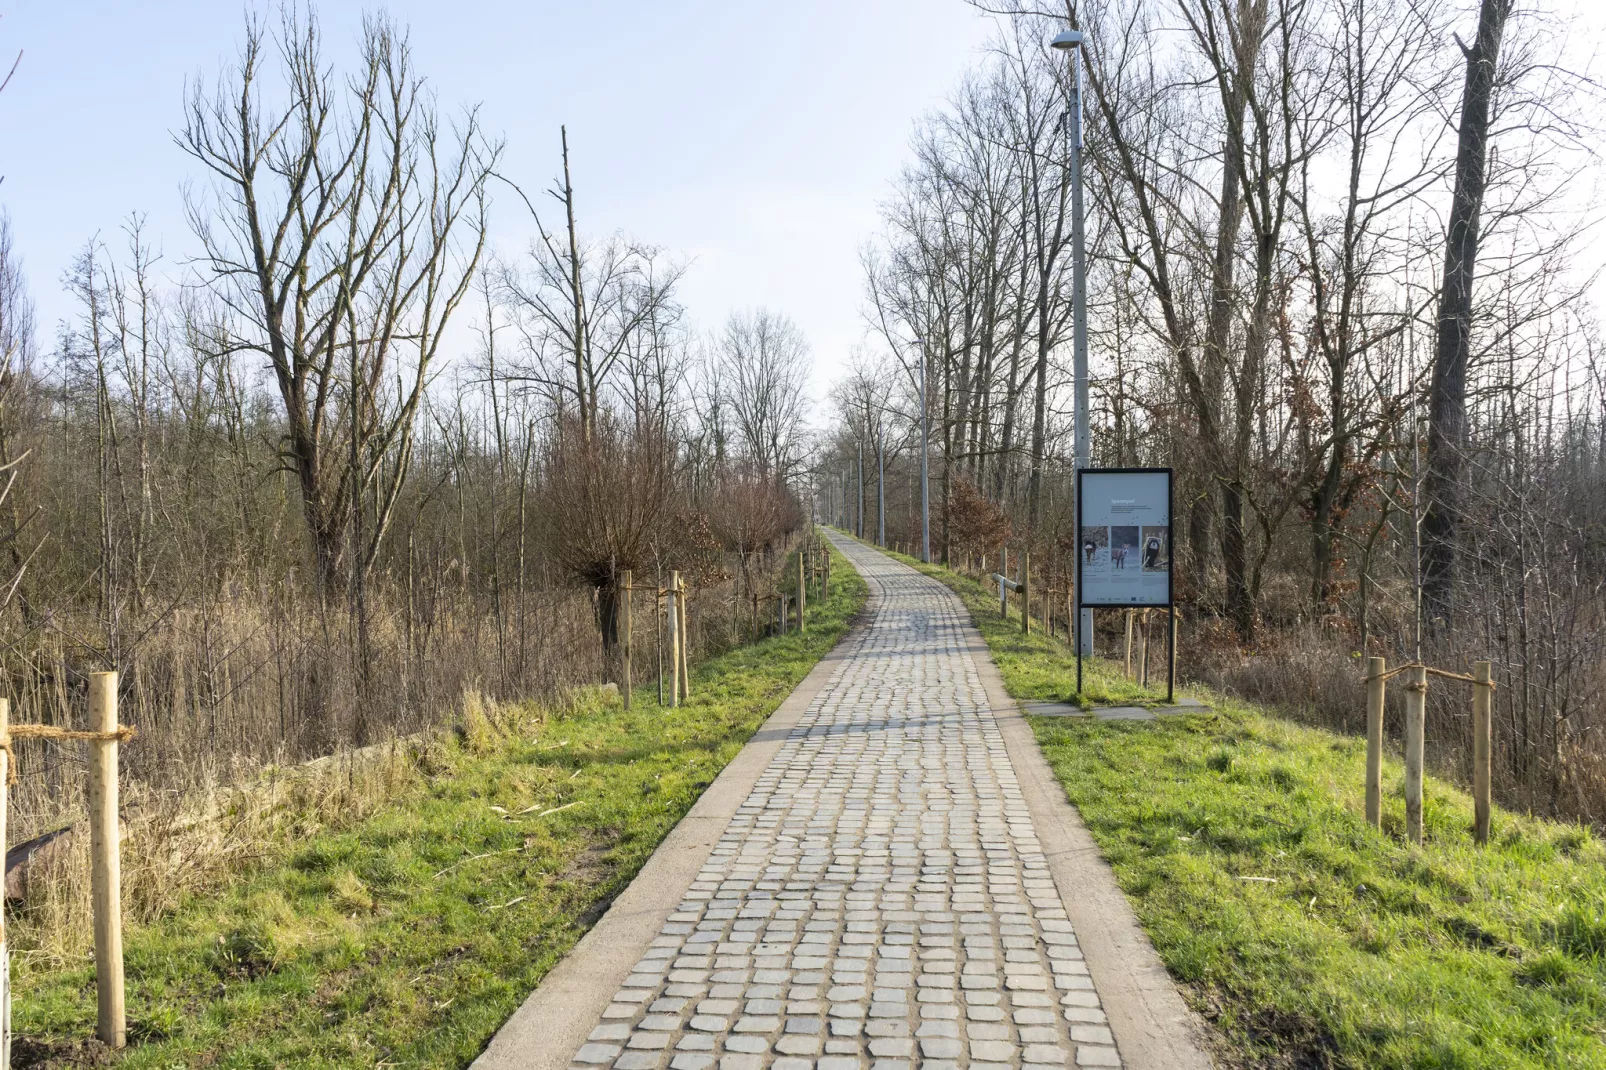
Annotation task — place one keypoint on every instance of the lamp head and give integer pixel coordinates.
(1067, 40)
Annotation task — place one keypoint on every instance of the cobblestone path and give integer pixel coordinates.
(880, 900)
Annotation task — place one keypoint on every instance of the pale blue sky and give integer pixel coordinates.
(753, 138)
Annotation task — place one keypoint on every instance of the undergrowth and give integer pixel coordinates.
(405, 936)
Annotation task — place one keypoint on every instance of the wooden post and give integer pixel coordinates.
(802, 595)
(5, 951)
(1131, 615)
(1416, 702)
(1172, 615)
(106, 877)
(1375, 684)
(1025, 593)
(685, 642)
(1143, 650)
(825, 583)
(672, 619)
(1482, 741)
(624, 636)
(1003, 588)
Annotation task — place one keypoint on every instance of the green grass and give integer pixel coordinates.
(1306, 936)
(407, 939)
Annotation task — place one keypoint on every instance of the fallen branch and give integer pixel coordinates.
(475, 858)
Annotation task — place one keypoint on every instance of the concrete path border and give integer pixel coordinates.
(551, 1025)
(1153, 1027)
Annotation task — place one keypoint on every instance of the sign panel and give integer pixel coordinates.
(1123, 545)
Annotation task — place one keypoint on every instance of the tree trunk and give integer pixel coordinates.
(1447, 401)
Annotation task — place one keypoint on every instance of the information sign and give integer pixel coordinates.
(1123, 549)
(1123, 543)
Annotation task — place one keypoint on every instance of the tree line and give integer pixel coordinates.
(349, 461)
(1338, 281)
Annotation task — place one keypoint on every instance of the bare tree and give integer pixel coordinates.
(763, 365)
(587, 309)
(1447, 397)
(341, 231)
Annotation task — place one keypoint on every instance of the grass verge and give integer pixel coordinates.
(406, 938)
(1308, 938)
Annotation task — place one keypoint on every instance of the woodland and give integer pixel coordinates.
(309, 488)
(1340, 279)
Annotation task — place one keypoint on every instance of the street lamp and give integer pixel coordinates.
(925, 450)
(1072, 41)
(881, 469)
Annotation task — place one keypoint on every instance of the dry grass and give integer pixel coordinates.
(1313, 675)
(230, 759)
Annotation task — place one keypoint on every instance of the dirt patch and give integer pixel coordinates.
(28, 1053)
(1263, 1039)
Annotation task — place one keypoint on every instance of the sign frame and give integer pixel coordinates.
(1169, 605)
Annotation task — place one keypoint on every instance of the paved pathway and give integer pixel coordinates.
(881, 899)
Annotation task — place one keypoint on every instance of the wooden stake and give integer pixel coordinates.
(624, 636)
(1025, 593)
(106, 877)
(825, 584)
(672, 619)
(1416, 702)
(1172, 615)
(5, 951)
(1003, 588)
(1143, 650)
(1131, 616)
(685, 643)
(1375, 684)
(802, 595)
(1482, 743)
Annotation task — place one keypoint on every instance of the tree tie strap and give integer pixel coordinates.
(121, 734)
(1431, 671)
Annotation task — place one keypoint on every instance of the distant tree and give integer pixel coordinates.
(762, 358)
(977, 526)
(589, 310)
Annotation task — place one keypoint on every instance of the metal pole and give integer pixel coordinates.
(1079, 305)
(860, 532)
(925, 449)
(881, 490)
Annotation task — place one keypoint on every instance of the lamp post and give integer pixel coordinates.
(880, 487)
(925, 451)
(881, 469)
(860, 524)
(1071, 41)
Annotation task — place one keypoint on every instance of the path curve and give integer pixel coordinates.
(882, 897)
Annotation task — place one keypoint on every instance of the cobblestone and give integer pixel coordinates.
(880, 899)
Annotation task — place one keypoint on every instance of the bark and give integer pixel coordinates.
(1447, 399)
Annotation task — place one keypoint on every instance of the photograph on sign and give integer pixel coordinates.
(1156, 549)
(1095, 546)
(1124, 528)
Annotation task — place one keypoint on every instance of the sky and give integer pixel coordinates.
(756, 140)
